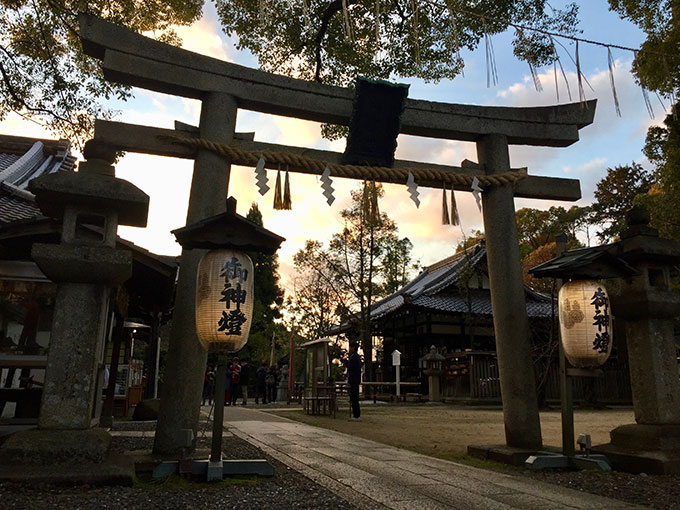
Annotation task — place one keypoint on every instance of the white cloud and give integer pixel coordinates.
(203, 37)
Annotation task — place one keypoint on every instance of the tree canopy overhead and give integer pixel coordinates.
(44, 75)
(657, 64)
(333, 41)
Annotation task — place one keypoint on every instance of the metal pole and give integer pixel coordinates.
(398, 367)
(567, 404)
(218, 421)
(291, 374)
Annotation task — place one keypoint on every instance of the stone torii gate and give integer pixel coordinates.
(223, 88)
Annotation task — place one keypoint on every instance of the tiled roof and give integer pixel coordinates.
(22, 159)
(436, 288)
(16, 206)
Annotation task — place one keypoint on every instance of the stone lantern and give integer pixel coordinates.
(223, 312)
(647, 306)
(90, 203)
(433, 364)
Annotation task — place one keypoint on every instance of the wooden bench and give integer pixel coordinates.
(323, 402)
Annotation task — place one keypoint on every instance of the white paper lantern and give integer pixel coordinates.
(585, 323)
(224, 300)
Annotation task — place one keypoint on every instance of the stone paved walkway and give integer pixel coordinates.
(373, 475)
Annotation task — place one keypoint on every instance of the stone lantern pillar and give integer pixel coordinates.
(433, 362)
(647, 307)
(91, 203)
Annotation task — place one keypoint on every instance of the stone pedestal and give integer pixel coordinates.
(85, 275)
(647, 306)
(282, 388)
(434, 384)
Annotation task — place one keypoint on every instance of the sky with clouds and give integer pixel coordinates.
(608, 142)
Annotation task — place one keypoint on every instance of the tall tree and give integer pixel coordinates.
(333, 41)
(356, 266)
(662, 148)
(267, 301)
(657, 63)
(475, 237)
(44, 75)
(397, 264)
(615, 194)
(317, 302)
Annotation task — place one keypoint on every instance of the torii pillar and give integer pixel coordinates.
(508, 302)
(186, 355)
(134, 60)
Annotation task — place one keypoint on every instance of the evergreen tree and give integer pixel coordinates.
(44, 74)
(267, 302)
(615, 194)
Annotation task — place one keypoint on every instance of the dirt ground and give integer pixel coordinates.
(446, 431)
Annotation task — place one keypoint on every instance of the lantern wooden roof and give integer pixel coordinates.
(228, 230)
(596, 263)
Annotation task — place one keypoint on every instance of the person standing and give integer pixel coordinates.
(245, 379)
(271, 384)
(235, 380)
(227, 393)
(261, 384)
(208, 385)
(354, 379)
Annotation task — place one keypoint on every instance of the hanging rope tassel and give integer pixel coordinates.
(579, 76)
(456, 36)
(610, 63)
(348, 25)
(455, 217)
(645, 96)
(445, 208)
(532, 69)
(287, 202)
(491, 73)
(278, 201)
(375, 212)
(305, 12)
(559, 62)
(377, 24)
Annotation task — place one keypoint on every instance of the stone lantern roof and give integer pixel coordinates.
(94, 187)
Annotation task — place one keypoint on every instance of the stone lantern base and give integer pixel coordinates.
(64, 456)
(637, 448)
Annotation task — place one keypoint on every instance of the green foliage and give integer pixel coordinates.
(615, 194)
(471, 240)
(44, 75)
(656, 64)
(363, 262)
(536, 228)
(662, 148)
(397, 264)
(386, 38)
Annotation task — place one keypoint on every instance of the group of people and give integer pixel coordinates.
(238, 379)
(266, 379)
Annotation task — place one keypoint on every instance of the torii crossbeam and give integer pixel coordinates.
(223, 88)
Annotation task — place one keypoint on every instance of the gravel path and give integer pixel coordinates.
(286, 489)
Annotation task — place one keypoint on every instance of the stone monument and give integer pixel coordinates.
(86, 265)
(647, 307)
